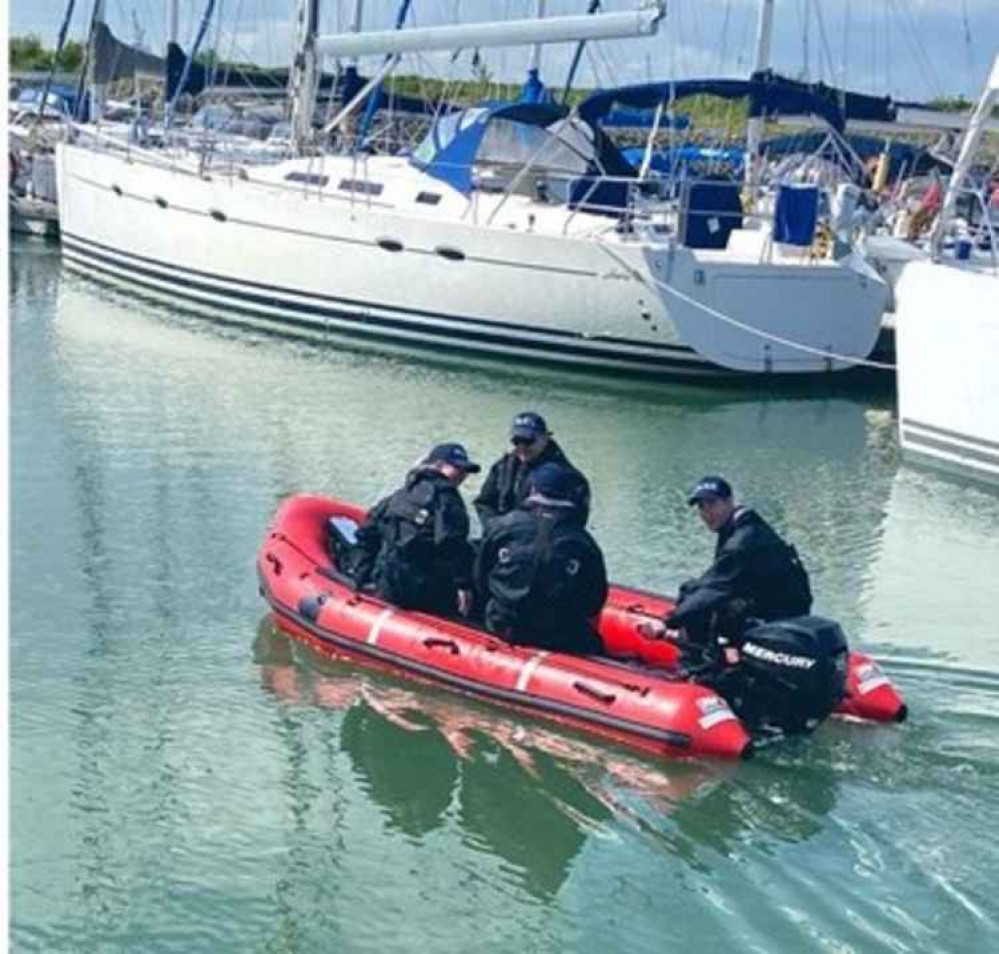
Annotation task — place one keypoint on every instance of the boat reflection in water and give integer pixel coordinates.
(519, 790)
(939, 539)
(530, 795)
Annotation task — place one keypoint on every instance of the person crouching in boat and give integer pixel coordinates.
(507, 483)
(755, 574)
(540, 573)
(414, 543)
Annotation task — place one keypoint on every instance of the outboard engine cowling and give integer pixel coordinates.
(791, 673)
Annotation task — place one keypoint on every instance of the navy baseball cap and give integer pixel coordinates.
(529, 424)
(454, 454)
(554, 482)
(710, 488)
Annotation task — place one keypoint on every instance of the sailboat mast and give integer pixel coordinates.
(972, 138)
(98, 91)
(754, 127)
(534, 67)
(356, 23)
(173, 20)
(304, 73)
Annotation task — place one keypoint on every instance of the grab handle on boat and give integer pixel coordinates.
(433, 642)
(605, 697)
(274, 562)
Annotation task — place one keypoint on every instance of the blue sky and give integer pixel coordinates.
(913, 49)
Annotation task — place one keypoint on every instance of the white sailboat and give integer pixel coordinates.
(514, 230)
(948, 337)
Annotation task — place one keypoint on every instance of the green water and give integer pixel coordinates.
(182, 779)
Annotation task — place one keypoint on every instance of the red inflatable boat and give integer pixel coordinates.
(633, 696)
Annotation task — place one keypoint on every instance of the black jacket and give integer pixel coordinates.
(543, 579)
(755, 573)
(415, 544)
(506, 485)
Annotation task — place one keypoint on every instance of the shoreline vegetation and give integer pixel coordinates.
(28, 54)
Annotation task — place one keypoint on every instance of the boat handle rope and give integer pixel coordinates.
(728, 319)
(607, 698)
(432, 642)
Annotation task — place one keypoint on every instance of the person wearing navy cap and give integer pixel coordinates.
(754, 574)
(506, 486)
(415, 542)
(540, 575)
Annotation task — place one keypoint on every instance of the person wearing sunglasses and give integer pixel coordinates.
(506, 486)
(755, 574)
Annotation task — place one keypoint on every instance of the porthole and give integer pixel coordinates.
(451, 253)
(160, 201)
(390, 244)
(217, 215)
(116, 189)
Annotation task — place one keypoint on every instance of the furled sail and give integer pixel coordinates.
(113, 60)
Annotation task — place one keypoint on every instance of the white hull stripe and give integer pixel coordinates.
(249, 291)
(714, 718)
(869, 685)
(931, 438)
(376, 627)
(529, 669)
(274, 313)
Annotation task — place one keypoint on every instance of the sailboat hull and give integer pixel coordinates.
(321, 265)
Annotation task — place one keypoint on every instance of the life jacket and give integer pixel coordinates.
(534, 586)
(409, 525)
(408, 571)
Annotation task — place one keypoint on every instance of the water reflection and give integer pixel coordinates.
(408, 769)
(520, 792)
(937, 558)
(816, 463)
(533, 796)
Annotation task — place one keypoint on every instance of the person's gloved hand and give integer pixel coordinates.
(652, 629)
(658, 629)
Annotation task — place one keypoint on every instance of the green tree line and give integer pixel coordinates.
(27, 54)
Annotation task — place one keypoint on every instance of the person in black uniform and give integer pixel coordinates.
(506, 485)
(754, 574)
(541, 575)
(414, 543)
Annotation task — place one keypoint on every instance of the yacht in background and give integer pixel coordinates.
(514, 230)
(947, 318)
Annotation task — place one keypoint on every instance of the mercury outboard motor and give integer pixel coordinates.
(791, 674)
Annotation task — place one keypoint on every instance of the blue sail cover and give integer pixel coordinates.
(769, 95)
(450, 149)
(515, 134)
(347, 85)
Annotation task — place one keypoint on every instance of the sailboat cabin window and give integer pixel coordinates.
(362, 186)
(307, 178)
(428, 198)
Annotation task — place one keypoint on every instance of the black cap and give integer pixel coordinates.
(528, 424)
(710, 488)
(455, 455)
(554, 482)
